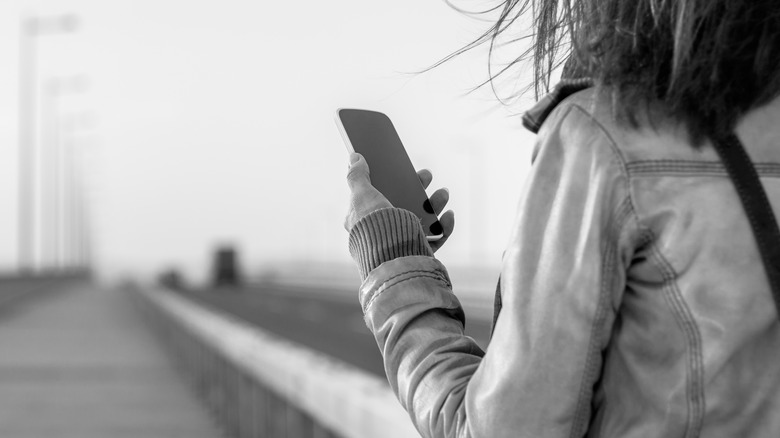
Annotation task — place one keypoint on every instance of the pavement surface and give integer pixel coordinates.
(317, 318)
(78, 362)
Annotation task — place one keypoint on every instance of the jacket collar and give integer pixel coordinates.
(533, 118)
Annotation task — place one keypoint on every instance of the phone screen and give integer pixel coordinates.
(373, 135)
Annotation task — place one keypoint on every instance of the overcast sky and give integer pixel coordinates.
(213, 121)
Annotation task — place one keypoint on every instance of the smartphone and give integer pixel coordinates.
(373, 135)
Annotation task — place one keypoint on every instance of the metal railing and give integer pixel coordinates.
(259, 385)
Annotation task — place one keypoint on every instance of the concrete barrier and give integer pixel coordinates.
(259, 385)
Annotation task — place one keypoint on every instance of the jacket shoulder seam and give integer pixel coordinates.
(608, 265)
(695, 371)
(610, 140)
(621, 215)
(642, 231)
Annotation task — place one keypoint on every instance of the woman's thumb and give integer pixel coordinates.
(358, 170)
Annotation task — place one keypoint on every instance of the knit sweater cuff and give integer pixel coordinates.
(384, 235)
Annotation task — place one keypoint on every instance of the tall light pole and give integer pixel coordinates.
(57, 163)
(30, 29)
(79, 193)
(71, 193)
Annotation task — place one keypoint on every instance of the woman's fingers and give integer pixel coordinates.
(425, 177)
(439, 200)
(447, 221)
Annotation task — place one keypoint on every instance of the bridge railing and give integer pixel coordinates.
(259, 385)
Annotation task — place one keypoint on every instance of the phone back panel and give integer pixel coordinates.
(373, 135)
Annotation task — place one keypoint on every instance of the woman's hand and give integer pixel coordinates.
(439, 200)
(365, 198)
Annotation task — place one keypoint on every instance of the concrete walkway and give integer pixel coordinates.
(79, 363)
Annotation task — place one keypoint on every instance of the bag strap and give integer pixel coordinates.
(757, 208)
(756, 204)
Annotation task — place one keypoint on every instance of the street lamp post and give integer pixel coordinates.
(57, 161)
(77, 197)
(31, 27)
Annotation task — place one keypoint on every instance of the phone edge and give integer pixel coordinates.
(343, 131)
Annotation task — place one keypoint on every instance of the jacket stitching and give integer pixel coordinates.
(686, 167)
(412, 271)
(605, 307)
(612, 143)
(696, 397)
(624, 215)
(386, 288)
(621, 161)
(385, 282)
(436, 275)
(581, 417)
(695, 376)
(583, 402)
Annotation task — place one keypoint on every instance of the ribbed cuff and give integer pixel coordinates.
(384, 235)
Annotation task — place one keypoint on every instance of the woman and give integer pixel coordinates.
(635, 303)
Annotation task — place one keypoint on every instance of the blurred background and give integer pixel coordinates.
(162, 128)
(194, 143)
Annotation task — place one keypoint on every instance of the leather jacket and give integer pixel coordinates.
(634, 299)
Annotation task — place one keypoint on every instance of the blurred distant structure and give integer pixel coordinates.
(172, 279)
(225, 268)
(62, 202)
(52, 228)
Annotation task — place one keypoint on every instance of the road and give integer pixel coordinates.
(322, 321)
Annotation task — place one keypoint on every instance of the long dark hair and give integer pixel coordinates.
(706, 61)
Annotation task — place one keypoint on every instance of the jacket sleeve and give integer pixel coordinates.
(562, 278)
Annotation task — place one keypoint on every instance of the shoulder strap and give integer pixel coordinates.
(756, 204)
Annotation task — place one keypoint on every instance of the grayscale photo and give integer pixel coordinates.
(356, 219)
